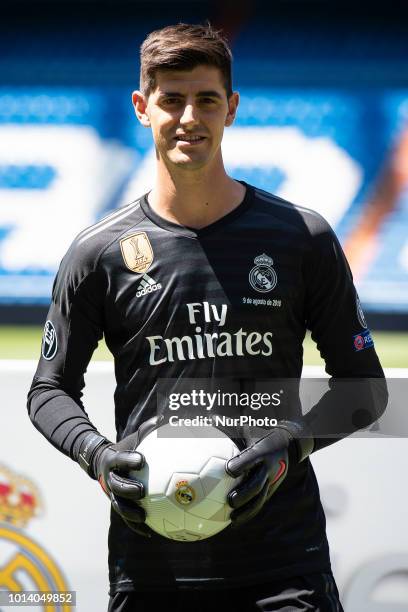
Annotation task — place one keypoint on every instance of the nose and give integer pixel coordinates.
(189, 116)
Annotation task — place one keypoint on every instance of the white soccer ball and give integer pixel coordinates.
(186, 482)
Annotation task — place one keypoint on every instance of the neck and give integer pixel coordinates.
(195, 198)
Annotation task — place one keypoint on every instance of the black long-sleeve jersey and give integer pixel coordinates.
(231, 300)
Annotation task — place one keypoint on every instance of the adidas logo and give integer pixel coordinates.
(147, 285)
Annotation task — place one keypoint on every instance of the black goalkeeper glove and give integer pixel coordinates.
(110, 464)
(265, 464)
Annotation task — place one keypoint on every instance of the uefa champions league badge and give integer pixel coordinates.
(263, 277)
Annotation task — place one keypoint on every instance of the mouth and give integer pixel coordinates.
(189, 139)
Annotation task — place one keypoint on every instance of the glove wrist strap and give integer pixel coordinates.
(302, 437)
(89, 445)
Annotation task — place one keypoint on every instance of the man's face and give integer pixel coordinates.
(187, 112)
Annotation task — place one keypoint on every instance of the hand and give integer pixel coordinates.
(266, 464)
(110, 464)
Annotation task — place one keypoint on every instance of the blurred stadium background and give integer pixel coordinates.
(323, 122)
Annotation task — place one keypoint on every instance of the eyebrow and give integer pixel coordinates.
(210, 93)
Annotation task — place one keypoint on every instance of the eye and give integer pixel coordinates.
(207, 100)
(170, 101)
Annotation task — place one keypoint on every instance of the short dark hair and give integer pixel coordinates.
(183, 47)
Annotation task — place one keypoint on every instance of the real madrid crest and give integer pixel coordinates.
(137, 252)
(263, 277)
(185, 493)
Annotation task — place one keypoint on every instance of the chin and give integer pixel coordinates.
(189, 163)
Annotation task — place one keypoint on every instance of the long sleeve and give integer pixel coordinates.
(71, 334)
(358, 392)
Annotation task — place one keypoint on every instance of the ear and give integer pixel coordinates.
(140, 105)
(233, 102)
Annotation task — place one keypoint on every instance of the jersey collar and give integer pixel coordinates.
(195, 233)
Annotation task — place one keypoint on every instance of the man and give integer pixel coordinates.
(174, 282)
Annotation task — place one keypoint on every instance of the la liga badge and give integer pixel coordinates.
(49, 342)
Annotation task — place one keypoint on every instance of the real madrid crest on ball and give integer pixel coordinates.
(184, 493)
(263, 277)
